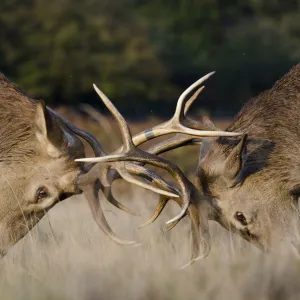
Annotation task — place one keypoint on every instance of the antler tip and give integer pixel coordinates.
(103, 159)
(174, 219)
(80, 159)
(187, 264)
(142, 225)
(210, 74)
(98, 91)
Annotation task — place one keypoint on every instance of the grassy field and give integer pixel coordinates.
(67, 257)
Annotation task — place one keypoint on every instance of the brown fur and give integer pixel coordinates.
(36, 152)
(17, 112)
(272, 123)
(266, 186)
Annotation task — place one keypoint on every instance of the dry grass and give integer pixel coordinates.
(74, 260)
(67, 257)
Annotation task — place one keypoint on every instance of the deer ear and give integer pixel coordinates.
(234, 162)
(45, 131)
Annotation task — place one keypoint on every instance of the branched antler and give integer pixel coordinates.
(134, 160)
(174, 125)
(131, 153)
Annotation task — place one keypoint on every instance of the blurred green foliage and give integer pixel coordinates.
(143, 53)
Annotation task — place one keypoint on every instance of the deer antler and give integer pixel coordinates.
(189, 195)
(174, 125)
(89, 184)
(179, 123)
(131, 153)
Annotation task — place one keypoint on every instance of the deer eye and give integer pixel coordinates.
(241, 218)
(41, 194)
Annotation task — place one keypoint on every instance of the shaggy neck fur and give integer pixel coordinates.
(272, 123)
(17, 112)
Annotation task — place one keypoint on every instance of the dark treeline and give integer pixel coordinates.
(143, 53)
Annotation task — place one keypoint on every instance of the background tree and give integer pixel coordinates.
(142, 53)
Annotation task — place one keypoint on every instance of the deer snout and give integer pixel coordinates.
(68, 183)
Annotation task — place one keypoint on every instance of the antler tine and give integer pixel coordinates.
(126, 176)
(182, 99)
(159, 208)
(126, 135)
(109, 196)
(200, 235)
(91, 193)
(192, 100)
(174, 142)
(171, 226)
(103, 121)
(156, 179)
(106, 184)
(199, 232)
(125, 172)
(179, 124)
(101, 172)
(150, 175)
